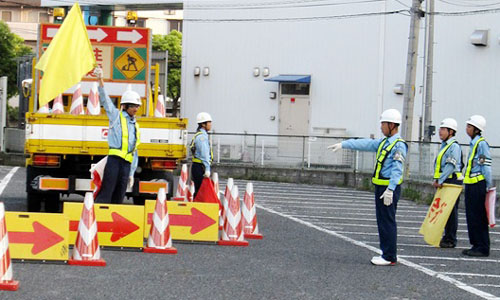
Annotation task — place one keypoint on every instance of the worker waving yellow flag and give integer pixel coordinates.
(67, 59)
(439, 212)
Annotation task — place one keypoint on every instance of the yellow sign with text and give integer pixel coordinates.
(189, 221)
(37, 236)
(117, 225)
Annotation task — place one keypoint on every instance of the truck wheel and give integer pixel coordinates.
(52, 203)
(34, 202)
(139, 200)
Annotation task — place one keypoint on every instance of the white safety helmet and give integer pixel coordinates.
(477, 121)
(391, 115)
(131, 97)
(203, 117)
(449, 123)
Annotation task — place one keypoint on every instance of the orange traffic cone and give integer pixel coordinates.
(215, 179)
(160, 107)
(77, 102)
(160, 240)
(232, 234)
(250, 226)
(93, 105)
(182, 188)
(86, 251)
(224, 201)
(58, 106)
(190, 192)
(6, 282)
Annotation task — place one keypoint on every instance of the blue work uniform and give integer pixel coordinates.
(391, 170)
(449, 172)
(477, 180)
(202, 158)
(117, 170)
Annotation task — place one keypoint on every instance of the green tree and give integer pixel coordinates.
(172, 43)
(11, 47)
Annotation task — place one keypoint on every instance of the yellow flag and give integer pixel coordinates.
(67, 59)
(439, 212)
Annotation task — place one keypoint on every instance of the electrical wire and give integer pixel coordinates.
(281, 7)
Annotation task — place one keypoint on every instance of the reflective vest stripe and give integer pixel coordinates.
(192, 147)
(123, 152)
(381, 156)
(437, 167)
(467, 178)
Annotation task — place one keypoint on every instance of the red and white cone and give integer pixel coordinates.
(160, 107)
(6, 282)
(232, 233)
(93, 104)
(58, 106)
(250, 226)
(224, 199)
(182, 188)
(190, 193)
(160, 240)
(86, 251)
(77, 102)
(44, 109)
(215, 179)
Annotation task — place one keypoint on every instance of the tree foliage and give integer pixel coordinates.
(11, 47)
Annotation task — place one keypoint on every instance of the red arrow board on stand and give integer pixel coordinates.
(197, 220)
(42, 238)
(120, 227)
(105, 34)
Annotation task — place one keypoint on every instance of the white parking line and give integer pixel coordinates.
(471, 274)
(7, 178)
(451, 258)
(288, 200)
(487, 285)
(444, 277)
(425, 245)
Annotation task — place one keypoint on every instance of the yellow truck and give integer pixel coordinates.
(60, 148)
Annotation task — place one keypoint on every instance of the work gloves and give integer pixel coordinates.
(335, 147)
(130, 182)
(207, 174)
(98, 72)
(387, 196)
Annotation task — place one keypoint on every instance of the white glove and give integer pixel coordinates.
(387, 196)
(98, 72)
(207, 174)
(335, 147)
(130, 182)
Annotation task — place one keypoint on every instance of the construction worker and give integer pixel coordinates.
(447, 170)
(387, 178)
(123, 140)
(201, 151)
(477, 182)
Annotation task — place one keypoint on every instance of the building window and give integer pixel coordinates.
(175, 25)
(295, 88)
(6, 16)
(43, 17)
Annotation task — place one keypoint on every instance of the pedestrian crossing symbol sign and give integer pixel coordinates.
(129, 63)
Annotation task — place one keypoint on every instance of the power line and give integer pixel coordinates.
(282, 6)
(467, 4)
(466, 13)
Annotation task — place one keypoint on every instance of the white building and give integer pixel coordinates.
(354, 59)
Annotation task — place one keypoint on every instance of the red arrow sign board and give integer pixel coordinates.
(117, 225)
(188, 220)
(105, 34)
(37, 236)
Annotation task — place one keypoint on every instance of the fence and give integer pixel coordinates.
(310, 152)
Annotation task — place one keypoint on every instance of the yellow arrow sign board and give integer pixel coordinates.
(37, 236)
(189, 221)
(117, 225)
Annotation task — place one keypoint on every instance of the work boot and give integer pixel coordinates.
(475, 253)
(380, 261)
(446, 244)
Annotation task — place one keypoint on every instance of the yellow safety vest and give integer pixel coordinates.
(437, 168)
(123, 152)
(467, 178)
(381, 156)
(193, 150)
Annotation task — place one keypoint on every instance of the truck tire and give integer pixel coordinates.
(34, 202)
(149, 175)
(52, 203)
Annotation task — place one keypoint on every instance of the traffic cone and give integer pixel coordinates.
(190, 193)
(93, 104)
(6, 282)
(160, 107)
(58, 106)
(232, 233)
(182, 191)
(44, 109)
(250, 226)
(160, 240)
(227, 195)
(86, 251)
(215, 179)
(77, 102)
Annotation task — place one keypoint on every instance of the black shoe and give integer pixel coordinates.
(475, 253)
(446, 244)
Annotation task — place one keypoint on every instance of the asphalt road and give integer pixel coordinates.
(318, 241)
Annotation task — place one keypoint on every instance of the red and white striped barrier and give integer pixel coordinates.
(182, 188)
(224, 200)
(93, 104)
(215, 179)
(250, 226)
(190, 193)
(160, 239)
(86, 251)
(6, 281)
(77, 102)
(232, 233)
(160, 107)
(58, 106)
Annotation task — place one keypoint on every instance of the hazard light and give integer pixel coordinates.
(51, 161)
(163, 164)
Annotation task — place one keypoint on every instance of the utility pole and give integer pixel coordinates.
(411, 64)
(428, 130)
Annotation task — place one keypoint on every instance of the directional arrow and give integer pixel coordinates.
(42, 238)
(130, 36)
(120, 227)
(197, 220)
(97, 34)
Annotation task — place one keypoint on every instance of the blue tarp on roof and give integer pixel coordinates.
(291, 78)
